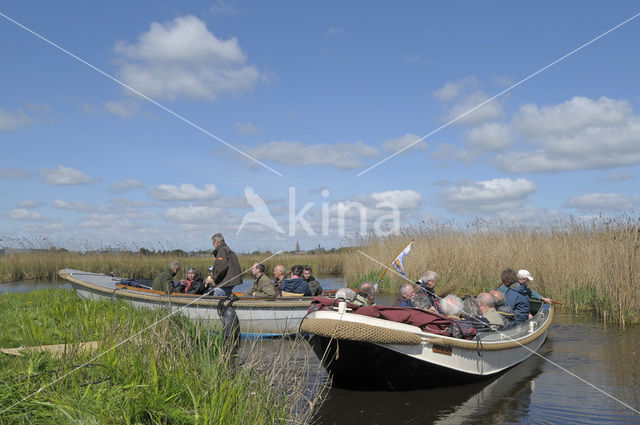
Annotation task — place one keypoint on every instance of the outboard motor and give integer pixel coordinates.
(229, 318)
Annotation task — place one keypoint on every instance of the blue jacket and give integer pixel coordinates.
(532, 294)
(518, 300)
(296, 285)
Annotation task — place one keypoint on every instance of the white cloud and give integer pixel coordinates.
(184, 192)
(65, 176)
(341, 155)
(125, 108)
(247, 128)
(111, 222)
(602, 202)
(495, 196)
(579, 134)
(183, 59)
(124, 185)
(11, 121)
(453, 89)
(491, 111)
(23, 214)
(194, 214)
(30, 204)
(74, 206)
(395, 145)
(491, 136)
(15, 173)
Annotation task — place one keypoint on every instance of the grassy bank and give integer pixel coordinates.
(175, 372)
(45, 264)
(594, 265)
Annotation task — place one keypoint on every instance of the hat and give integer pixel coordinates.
(192, 270)
(524, 273)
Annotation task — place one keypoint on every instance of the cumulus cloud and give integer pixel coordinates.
(15, 173)
(10, 121)
(183, 59)
(23, 214)
(65, 176)
(247, 128)
(74, 206)
(193, 214)
(124, 185)
(395, 145)
(454, 89)
(107, 222)
(488, 196)
(602, 202)
(492, 136)
(341, 155)
(491, 111)
(579, 134)
(184, 192)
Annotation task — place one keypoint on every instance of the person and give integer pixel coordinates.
(314, 285)
(193, 284)
(278, 276)
(366, 294)
(505, 312)
(426, 287)
(225, 272)
(487, 302)
(516, 296)
(164, 281)
(524, 277)
(294, 285)
(262, 286)
(406, 292)
(451, 306)
(346, 294)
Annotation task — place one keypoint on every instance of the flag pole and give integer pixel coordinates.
(392, 261)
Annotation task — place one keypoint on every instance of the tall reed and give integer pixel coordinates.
(591, 264)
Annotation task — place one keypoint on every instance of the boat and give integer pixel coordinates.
(259, 317)
(373, 353)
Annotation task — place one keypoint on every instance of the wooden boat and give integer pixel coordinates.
(259, 317)
(363, 352)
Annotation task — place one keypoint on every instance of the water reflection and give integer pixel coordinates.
(32, 285)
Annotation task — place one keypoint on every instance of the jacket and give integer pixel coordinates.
(518, 300)
(314, 286)
(195, 287)
(164, 282)
(262, 288)
(429, 293)
(226, 267)
(295, 285)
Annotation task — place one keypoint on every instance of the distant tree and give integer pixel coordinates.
(144, 251)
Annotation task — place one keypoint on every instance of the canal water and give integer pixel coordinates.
(586, 373)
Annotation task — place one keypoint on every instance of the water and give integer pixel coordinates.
(536, 391)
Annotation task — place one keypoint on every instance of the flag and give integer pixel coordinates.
(399, 261)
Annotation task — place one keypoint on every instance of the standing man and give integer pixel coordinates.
(164, 281)
(225, 272)
(262, 286)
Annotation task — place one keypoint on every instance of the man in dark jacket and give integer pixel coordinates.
(427, 285)
(516, 296)
(193, 284)
(164, 281)
(225, 272)
(314, 285)
(295, 285)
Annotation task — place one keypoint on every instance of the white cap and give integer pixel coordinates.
(524, 273)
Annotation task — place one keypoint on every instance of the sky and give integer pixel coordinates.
(156, 124)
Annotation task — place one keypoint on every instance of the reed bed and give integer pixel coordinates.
(45, 264)
(588, 265)
(174, 372)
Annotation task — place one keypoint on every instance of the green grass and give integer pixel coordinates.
(175, 372)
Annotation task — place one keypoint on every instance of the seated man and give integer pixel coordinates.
(295, 286)
(516, 296)
(164, 281)
(406, 292)
(426, 285)
(366, 294)
(471, 312)
(505, 312)
(451, 306)
(346, 294)
(278, 276)
(194, 284)
(314, 285)
(262, 286)
(524, 277)
(486, 302)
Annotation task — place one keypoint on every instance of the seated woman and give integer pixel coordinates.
(193, 284)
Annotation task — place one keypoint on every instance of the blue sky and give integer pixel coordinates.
(318, 92)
